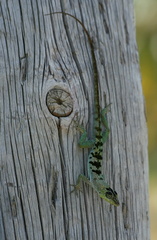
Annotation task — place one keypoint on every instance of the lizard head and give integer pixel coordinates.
(109, 195)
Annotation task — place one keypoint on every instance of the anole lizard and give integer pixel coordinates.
(95, 177)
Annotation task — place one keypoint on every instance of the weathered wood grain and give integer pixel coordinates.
(39, 153)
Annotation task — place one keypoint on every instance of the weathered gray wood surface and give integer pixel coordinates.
(39, 153)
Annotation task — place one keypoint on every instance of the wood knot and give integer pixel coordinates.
(59, 102)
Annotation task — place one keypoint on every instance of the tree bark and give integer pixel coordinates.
(40, 157)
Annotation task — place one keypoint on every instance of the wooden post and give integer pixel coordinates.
(46, 62)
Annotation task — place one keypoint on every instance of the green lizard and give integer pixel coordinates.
(96, 178)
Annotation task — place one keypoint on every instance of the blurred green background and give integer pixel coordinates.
(146, 31)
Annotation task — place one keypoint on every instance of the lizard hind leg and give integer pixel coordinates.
(103, 115)
(84, 142)
(105, 136)
(105, 123)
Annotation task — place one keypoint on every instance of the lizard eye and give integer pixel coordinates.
(108, 195)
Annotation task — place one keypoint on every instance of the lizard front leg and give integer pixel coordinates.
(81, 178)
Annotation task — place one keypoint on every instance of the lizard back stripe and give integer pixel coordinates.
(98, 172)
(96, 155)
(99, 144)
(96, 164)
(98, 128)
(99, 137)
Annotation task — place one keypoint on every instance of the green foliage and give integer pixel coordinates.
(147, 43)
(146, 22)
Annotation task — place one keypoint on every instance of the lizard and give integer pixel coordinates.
(95, 177)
